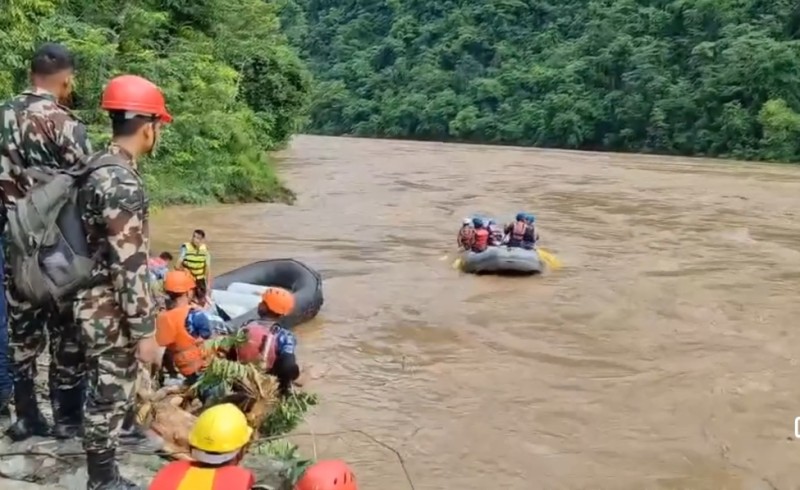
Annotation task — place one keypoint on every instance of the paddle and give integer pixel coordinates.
(549, 259)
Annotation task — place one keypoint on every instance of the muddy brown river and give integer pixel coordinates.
(664, 355)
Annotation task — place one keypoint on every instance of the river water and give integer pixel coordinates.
(663, 356)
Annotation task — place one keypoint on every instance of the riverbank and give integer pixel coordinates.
(44, 462)
(248, 182)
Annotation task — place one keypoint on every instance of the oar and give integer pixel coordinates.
(549, 259)
(458, 263)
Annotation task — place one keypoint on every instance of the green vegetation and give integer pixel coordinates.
(289, 413)
(687, 77)
(232, 82)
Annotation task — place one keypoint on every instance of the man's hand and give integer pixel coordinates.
(148, 352)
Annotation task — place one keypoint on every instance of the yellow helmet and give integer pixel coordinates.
(220, 429)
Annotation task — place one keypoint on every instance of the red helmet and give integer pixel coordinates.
(260, 346)
(135, 94)
(330, 474)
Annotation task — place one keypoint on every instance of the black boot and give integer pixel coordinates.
(104, 474)
(68, 412)
(5, 405)
(133, 436)
(30, 421)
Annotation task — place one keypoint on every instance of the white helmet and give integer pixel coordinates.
(466, 221)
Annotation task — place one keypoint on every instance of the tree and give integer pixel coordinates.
(235, 91)
(687, 77)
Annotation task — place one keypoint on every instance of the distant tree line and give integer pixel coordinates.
(686, 77)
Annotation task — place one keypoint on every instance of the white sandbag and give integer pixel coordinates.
(246, 288)
(233, 310)
(228, 299)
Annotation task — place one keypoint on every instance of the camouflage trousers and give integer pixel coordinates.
(112, 368)
(29, 329)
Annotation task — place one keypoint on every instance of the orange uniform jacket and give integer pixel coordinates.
(185, 475)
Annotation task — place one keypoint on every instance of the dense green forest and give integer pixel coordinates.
(233, 83)
(687, 77)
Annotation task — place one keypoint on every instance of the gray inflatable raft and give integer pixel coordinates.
(502, 260)
(237, 293)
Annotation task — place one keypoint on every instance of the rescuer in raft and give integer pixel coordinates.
(495, 234)
(481, 240)
(522, 233)
(268, 343)
(466, 234)
(219, 441)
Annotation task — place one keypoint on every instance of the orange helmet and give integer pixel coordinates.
(278, 301)
(330, 474)
(135, 94)
(179, 282)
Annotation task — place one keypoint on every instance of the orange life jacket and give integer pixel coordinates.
(521, 232)
(481, 240)
(188, 353)
(466, 235)
(185, 475)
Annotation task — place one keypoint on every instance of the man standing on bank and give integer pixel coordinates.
(116, 316)
(38, 132)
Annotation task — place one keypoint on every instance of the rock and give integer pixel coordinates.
(269, 473)
(60, 465)
(19, 485)
(46, 463)
(137, 468)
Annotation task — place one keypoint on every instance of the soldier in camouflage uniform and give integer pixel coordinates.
(116, 316)
(38, 132)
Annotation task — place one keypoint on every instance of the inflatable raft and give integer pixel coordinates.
(502, 260)
(237, 293)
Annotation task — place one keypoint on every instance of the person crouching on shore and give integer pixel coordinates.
(270, 344)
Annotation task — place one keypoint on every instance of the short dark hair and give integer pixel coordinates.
(122, 125)
(199, 233)
(166, 256)
(51, 58)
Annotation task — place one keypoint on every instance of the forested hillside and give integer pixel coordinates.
(689, 77)
(232, 82)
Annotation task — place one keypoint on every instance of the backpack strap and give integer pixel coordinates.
(80, 173)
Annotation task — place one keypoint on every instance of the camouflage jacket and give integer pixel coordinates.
(116, 219)
(36, 131)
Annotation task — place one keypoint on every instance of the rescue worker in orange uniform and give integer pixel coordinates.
(268, 343)
(481, 241)
(522, 233)
(218, 443)
(183, 327)
(331, 474)
(466, 235)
